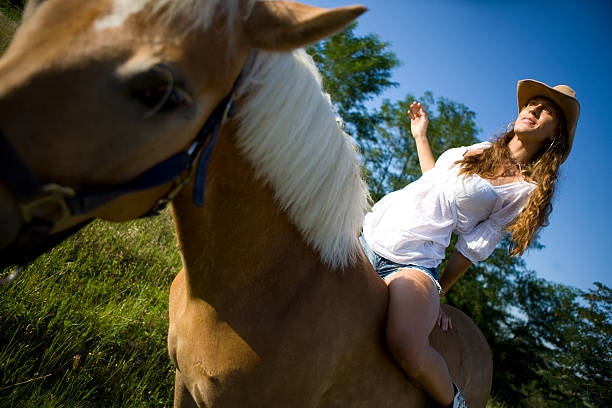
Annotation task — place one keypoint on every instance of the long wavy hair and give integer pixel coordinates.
(542, 169)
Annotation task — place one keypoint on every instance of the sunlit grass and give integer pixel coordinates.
(85, 325)
(7, 28)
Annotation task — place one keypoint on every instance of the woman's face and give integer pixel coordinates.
(538, 121)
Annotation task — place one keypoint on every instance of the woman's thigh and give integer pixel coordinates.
(414, 304)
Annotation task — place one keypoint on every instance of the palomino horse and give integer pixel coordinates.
(276, 305)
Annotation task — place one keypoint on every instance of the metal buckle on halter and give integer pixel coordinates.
(179, 183)
(228, 112)
(52, 194)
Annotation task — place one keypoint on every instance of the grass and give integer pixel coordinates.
(11, 10)
(8, 26)
(85, 325)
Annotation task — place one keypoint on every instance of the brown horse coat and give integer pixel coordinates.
(267, 324)
(259, 315)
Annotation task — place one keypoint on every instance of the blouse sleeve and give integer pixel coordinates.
(478, 243)
(449, 157)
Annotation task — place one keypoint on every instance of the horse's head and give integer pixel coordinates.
(102, 103)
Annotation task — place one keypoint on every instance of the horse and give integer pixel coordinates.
(112, 109)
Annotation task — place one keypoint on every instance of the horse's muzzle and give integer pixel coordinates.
(33, 241)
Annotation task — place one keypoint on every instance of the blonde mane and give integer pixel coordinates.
(288, 131)
(184, 16)
(190, 15)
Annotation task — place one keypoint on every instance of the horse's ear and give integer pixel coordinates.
(283, 25)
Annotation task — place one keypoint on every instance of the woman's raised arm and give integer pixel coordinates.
(418, 126)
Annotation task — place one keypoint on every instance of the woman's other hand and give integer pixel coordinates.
(418, 120)
(444, 321)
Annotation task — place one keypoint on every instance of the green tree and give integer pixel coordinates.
(592, 348)
(558, 349)
(544, 322)
(355, 69)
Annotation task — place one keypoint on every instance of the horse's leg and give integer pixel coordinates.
(467, 355)
(182, 398)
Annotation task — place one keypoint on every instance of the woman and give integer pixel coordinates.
(479, 192)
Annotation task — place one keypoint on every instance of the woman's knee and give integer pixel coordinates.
(408, 350)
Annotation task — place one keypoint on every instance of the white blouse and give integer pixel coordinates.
(414, 225)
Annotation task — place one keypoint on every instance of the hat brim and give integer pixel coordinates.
(528, 89)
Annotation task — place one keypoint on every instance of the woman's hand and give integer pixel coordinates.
(418, 121)
(444, 321)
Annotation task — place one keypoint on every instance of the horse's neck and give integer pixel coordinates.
(247, 266)
(241, 235)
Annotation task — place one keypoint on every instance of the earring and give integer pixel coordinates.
(552, 142)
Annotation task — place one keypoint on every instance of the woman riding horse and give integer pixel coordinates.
(479, 192)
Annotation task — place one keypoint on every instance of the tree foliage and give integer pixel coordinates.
(592, 347)
(551, 343)
(355, 70)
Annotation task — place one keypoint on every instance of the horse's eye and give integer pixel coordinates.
(163, 98)
(158, 92)
(153, 96)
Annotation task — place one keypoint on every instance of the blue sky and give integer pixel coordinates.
(474, 52)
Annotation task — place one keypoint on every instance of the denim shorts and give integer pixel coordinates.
(385, 267)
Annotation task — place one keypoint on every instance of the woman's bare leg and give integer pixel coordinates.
(414, 304)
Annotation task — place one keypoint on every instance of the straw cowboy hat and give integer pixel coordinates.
(562, 95)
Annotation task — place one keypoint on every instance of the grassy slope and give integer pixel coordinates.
(7, 28)
(85, 325)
